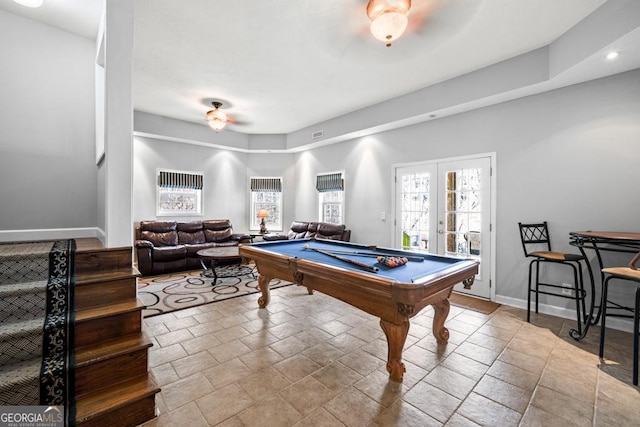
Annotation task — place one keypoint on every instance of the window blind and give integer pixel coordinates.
(330, 182)
(266, 184)
(180, 180)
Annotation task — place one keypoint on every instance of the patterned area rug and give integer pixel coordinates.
(36, 295)
(177, 291)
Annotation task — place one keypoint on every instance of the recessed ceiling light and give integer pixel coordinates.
(612, 55)
(30, 3)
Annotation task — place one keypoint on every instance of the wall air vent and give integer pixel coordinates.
(317, 134)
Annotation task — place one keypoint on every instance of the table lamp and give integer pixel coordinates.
(262, 214)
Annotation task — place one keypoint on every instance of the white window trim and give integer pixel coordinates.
(199, 193)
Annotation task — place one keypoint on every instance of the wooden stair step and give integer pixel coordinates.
(108, 259)
(113, 362)
(104, 288)
(126, 404)
(107, 311)
(95, 325)
(112, 348)
(91, 277)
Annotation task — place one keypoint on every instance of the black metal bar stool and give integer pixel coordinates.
(630, 273)
(537, 236)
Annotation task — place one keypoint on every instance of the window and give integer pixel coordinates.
(266, 193)
(331, 197)
(179, 193)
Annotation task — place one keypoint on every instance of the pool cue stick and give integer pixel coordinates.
(408, 257)
(347, 260)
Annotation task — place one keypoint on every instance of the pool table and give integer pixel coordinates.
(392, 294)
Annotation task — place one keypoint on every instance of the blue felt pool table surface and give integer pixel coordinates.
(411, 272)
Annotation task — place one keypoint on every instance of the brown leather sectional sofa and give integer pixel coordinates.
(304, 229)
(168, 246)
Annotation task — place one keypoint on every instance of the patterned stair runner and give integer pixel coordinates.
(34, 309)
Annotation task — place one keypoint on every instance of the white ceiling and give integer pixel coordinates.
(280, 65)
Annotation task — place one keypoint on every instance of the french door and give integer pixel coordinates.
(444, 207)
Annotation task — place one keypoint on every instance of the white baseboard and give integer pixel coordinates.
(620, 324)
(50, 234)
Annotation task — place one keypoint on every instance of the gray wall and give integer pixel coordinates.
(568, 156)
(47, 160)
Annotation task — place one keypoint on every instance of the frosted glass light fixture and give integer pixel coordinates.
(217, 119)
(388, 18)
(30, 3)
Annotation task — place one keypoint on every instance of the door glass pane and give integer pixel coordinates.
(415, 211)
(463, 212)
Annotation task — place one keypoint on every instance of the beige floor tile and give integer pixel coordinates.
(361, 361)
(190, 365)
(297, 367)
(300, 374)
(458, 420)
(451, 382)
(487, 341)
(226, 373)
(353, 408)
(261, 358)
(272, 411)
(504, 393)
(465, 366)
(198, 344)
(323, 354)
(536, 417)
(264, 383)
(187, 415)
(229, 350)
(320, 418)
(165, 340)
(562, 405)
(486, 412)
(180, 322)
(514, 375)
(405, 415)
(224, 403)
(378, 387)
(307, 395)
(162, 355)
(258, 339)
(525, 361)
(289, 346)
(185, 390)
(432, 401)
(477, 353)
(336, 376)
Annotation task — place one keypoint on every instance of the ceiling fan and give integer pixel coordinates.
(218, 119)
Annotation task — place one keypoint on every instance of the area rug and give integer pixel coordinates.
(177, 291)
(36, 306)
(472, 303)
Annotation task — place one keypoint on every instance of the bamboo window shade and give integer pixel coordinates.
(168, 179)
(273, 185)
(330, 182)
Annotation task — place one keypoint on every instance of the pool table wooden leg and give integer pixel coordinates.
(263, 283)
(441, 312)
(396, 336)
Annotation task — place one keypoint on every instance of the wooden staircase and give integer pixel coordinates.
(112, 384)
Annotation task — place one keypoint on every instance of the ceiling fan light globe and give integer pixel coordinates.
(389, 25)
(217, 124)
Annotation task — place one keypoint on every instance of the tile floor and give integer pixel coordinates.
(311, 360)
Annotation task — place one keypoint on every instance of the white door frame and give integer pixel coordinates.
(493, 178)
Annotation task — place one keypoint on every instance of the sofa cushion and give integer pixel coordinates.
(160, 233)
(330, 231)
(217, 230)
(169, 253)
(190, 233)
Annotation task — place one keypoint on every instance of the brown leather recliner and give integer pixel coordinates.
(168, 246)
(320, 230)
